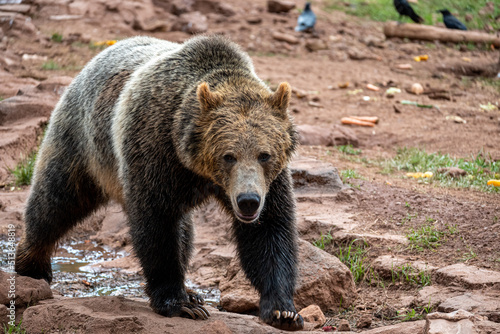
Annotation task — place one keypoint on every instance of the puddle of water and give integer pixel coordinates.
(73, 276)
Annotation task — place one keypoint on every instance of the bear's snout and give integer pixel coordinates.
(248, 204)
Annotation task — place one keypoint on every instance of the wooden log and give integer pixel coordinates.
(431, 33)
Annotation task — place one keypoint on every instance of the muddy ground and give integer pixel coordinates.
(380, 208)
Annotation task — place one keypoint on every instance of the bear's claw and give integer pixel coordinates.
(195, 298)
(196, 311)
(287, 320)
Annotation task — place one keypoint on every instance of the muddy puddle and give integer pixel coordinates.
(75, 276)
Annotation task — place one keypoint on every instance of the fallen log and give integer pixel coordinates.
(431, 33)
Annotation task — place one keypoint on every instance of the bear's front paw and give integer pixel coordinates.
(193, 309)
(287, 320)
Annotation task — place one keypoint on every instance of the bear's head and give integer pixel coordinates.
(246, 138)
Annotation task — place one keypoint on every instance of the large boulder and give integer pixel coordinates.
(470, 277)
(33, 102)
(323, 280)
(103, 315)
(27, 290)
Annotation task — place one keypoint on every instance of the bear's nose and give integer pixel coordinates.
(248, 203)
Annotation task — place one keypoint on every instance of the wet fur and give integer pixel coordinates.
(145, 124)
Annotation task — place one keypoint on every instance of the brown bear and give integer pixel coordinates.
(160, 127)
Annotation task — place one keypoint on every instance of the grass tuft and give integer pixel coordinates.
(426, 237)
(348, 149)
(349, 174)
(50, 66)
(14, 329)
(23, 172)
(323, 240)
(353, 256)
(479, 168)
(56, 37)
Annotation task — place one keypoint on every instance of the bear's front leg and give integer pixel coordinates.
(162, 242)
(268, 254)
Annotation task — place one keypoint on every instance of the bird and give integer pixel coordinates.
(306, 20)
(404, 9)
(450, 21)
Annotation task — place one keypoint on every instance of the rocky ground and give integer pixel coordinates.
(43, 46)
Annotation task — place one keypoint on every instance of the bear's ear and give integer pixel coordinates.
(281, 99)
(208, 100)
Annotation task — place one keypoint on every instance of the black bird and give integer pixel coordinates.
(450, 21)
(404, 9)
(306, 20)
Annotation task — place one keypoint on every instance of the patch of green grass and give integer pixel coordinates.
(408, 218)
(50, 66)
(409, 275)
(56, 37)
(383, 10)
(491, 82)
(23, 172)
(349, 174)
(425, 237)
(353, 256)
(14, 329)
(348, 149)
(479, 168)
(323, 240)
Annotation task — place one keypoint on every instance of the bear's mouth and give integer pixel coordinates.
(247, 219)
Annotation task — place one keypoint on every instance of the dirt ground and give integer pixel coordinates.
(358, 54)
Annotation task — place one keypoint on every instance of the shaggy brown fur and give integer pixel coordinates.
(161, 127)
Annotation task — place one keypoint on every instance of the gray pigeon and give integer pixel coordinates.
(306, 20)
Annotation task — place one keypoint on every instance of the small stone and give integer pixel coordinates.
(316, 45)
(417, 89)
(277, 6)
(254, 20)
(285, 38)
(364, 322)
(313, 314)
(315, 104)
(344, 326)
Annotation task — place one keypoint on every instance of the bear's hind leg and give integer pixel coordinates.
(61, 196)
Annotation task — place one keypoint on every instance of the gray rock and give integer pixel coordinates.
(313, 173)
(470, 277)
(485, 305)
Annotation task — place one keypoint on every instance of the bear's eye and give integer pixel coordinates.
(229, 158)
(263, 157)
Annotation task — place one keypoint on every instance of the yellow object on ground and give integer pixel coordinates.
(420, 175)
(495, 183)
(109, 42)
(421, 58)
